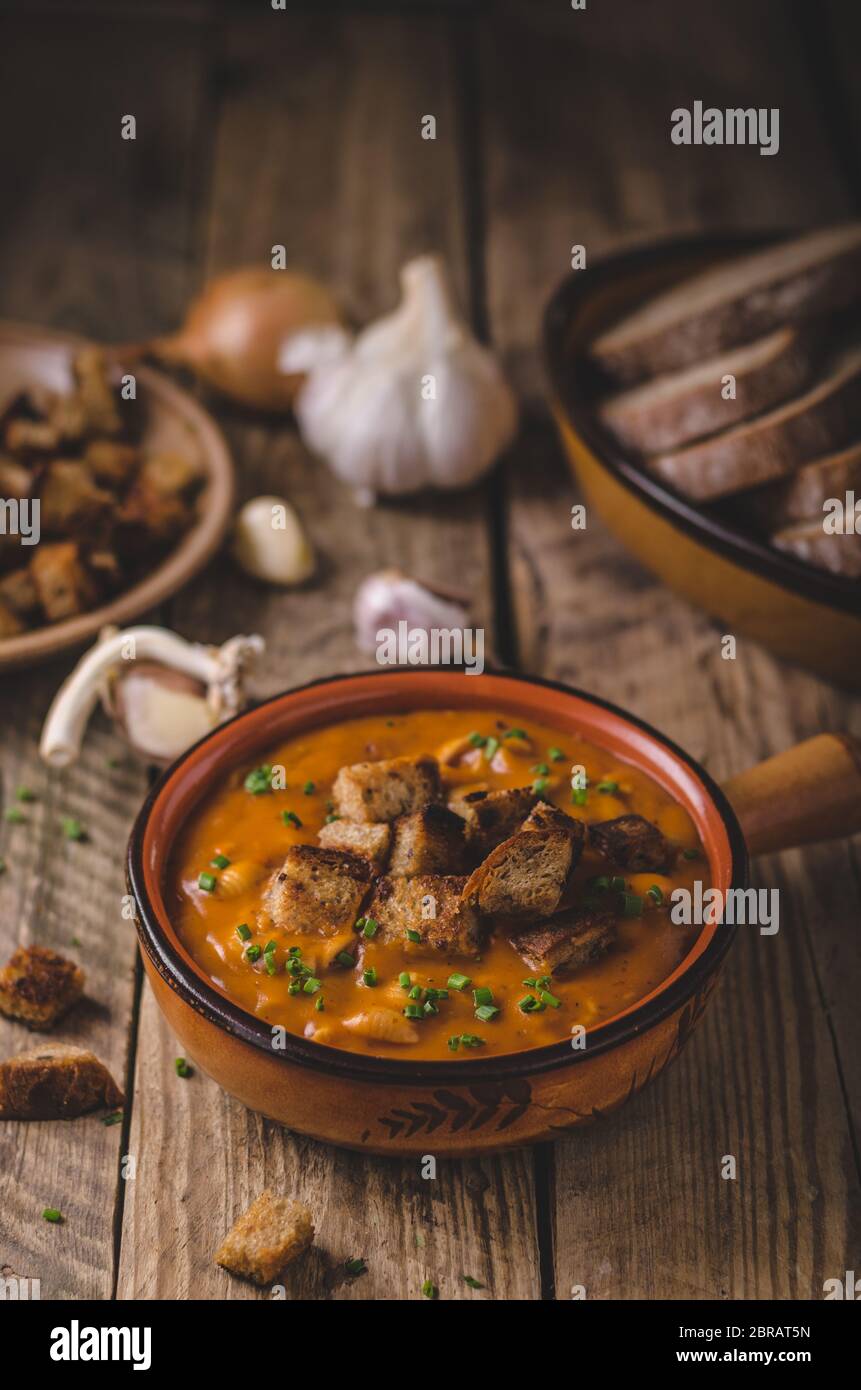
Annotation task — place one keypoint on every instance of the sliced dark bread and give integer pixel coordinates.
(734, 302)
(801, 496)
(674, 409)
(840, 554)
(524, 876)
(823, 419)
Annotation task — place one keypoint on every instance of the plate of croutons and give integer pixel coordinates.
(116, 487)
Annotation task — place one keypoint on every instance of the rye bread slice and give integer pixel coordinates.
(734, 302)
(675, 409)
(802, 496)
(775, 444)
(840, 554)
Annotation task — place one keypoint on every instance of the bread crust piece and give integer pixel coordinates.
(630, 842)
(492, 817)
(801, 496)
(270, 1235)
(318, 892)
(62, 583)
(772, 445)
(398, 906)
(55, 1082)
(566, 943)
(526, 875)
(839, 554)
(38, 986)
(369, 839)
(431, 841)
(673, 410)
(386, 789)
(734, 302)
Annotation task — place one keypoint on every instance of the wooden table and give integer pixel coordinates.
(256, 127)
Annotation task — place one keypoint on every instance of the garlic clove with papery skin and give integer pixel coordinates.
(269, 542)
(161, 712)
(415, 401)
(388, 597)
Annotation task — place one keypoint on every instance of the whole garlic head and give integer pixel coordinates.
(415, 401)
(269, 542)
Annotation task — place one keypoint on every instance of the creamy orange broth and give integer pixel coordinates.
(234, 823)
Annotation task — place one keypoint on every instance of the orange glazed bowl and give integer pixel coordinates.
(392, 1106)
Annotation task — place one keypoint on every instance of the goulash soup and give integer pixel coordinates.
(439, 884)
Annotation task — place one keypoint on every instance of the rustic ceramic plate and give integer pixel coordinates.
(170, 420)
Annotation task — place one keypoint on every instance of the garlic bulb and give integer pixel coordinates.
(162, 692)
(269, 542)
(388, 597)
(415, 401)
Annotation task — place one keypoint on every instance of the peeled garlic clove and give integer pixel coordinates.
(161, 712)
(269, 542)
(388, 597)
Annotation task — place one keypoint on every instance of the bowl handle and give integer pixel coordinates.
(811, 792)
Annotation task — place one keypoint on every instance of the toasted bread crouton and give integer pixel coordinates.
(630, 842)
(492, 817)
(318, 892)
(18, 593)
(71, 503)
(95, 395)
(567, 942)
(270, 1235)
(110, 461)
(10, 623)
(55, 1082)
(545, 816)
(366, 838)
(62, 583)
(384, 790)
(429, 906)
(39, 985)
(427, 842)
(526, 875)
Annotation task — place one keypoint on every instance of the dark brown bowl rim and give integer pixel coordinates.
(833, 590)
(353, 1067)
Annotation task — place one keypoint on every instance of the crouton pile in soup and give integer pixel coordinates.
(439, 884)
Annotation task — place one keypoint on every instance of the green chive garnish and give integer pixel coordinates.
(477, 740)
(690, 854)
(290, 818)
(470, 1282)
(515, 733)
(113, 1119)
(429, 1289)
(259, 780)
(527, 1004)
(308, 788)
(656, 893)
(548, 998)
(609, 787)
(413, 1011)
(416, 992)
(471, 1040)
(541, 769)
(369, 977)
(579, 795)
(344, 958)
(243, 931)
(312, 985)
(414, 935)
(404, 980)
(539, 786)
(293, 987)
(486, 1012)
(430, 1007)
(51, 1214)
(454, 1044)
(632, 905)
(331, 818)
(207, 882)
(483, 995)
(253, 953)
(182, 1067)
(13, 815)
(617, 883)
(220, 861)
(370, 928)
(491, 748)
(72, 828)
(458, 981)
(355, 1267)
(25, 794)
(319, 1005)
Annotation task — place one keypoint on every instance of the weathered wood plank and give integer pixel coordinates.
(639, 1207)
(318, 147)
(94, 234)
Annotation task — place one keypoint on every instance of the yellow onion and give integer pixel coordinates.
(236, 328)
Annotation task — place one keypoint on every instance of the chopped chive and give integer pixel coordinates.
(243, 931)
(355, 1267)
(609, 787)
(312, 985)
(429, 1289)
(458, 981)
(548, 998)
(2, 866)
(270, 947)
(539, 786)
(617, 883)
(656, 893)
(471, 1040)
(290, 818)
(404, 980)
(259, 780)
(690, 854)
(369, 977)
(485, 1012)
(430, 1007)
(414, 935)
(344, 958)
(13, 815)
(270, 963)
(530, 982)
(53, 1215)
(482, 995)
(515, 733)
(454, 1043)
(294, 951)
(470, 1282)
(220, 861)
(112, 1119)
(491, 748)
(370, 928)
(579, 795)
(182, 1067)
(541, 768)
(555, 755)
(319, 1005)
(632, 905)
(331, 818)
(25, 794)
(477, 740)
(416, 992)
(527, 1004)
(330, 806)
(309, 788)
(253, 953)
(413, 1011)
(293, 987)
(207, 882)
